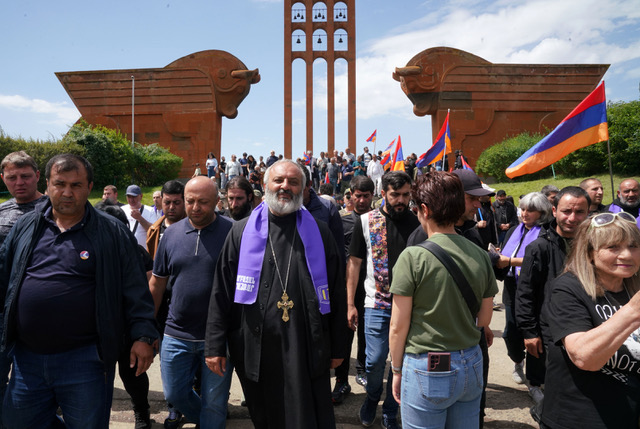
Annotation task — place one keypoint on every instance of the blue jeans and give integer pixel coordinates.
(77, 381)
(376, 331)
(179, 361)
(449, 399)
(5, 368)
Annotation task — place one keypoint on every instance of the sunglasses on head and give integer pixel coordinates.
(602, 219)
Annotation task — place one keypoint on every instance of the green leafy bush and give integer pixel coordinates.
(108, 151)
(113, 159)
(495, 160)
(154, 165)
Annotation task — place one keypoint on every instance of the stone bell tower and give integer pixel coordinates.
(327, 30)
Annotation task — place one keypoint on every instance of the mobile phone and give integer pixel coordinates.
(439, 361)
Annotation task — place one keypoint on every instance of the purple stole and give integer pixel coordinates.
(254, 243)
(617, 209)
(516, 245)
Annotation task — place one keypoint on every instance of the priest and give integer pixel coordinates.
(278, 301)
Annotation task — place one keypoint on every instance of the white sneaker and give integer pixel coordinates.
(518, 373)
(536, 394)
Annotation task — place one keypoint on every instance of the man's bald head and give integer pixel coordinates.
(201, 198)
(629, 192)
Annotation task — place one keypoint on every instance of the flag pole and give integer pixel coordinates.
(610, 170)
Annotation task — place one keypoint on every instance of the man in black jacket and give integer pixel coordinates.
(73, 288)
(506, 215)
(543, 261)
(628, 198)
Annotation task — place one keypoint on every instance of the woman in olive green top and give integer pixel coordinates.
(433, 337)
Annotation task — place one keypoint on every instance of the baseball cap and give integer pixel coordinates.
(134, 190)
(471, 183)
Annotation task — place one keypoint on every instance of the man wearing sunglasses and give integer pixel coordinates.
(544, 260)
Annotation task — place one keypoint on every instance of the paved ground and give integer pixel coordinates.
(507, 402)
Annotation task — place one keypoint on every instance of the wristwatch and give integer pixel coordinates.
(147, 340)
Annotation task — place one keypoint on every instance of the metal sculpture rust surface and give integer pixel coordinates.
(179, 106)
(490, 102)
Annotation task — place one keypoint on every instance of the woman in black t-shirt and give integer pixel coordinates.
(593, 368)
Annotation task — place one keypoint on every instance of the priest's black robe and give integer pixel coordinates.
(283, 366)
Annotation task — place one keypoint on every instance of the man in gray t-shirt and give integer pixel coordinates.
(20, 174)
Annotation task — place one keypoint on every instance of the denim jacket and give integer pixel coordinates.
(124, 307)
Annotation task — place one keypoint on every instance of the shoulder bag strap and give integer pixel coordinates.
(454, 270)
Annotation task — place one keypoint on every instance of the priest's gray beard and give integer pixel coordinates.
(282, 208)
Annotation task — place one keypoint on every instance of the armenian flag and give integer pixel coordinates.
(398, 158)
(372, 137)
(465, 164)
(439, 148)
(585, 125)
(386, 155)
(306, 158)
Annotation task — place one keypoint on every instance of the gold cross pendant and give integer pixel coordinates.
(285, 305)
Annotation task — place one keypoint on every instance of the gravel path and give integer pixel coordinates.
(507, 402)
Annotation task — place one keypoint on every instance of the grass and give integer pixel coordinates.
(516, 189)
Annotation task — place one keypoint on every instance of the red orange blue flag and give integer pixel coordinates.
(465, 164)
(584, 126)
(372, 137)
(439, 148)
(386, 155)
(398, 158)
(306, 158)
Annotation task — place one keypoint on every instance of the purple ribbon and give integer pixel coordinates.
(613, 208)
(254, 243)
(516, 240)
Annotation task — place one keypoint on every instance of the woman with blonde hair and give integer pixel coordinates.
(593, 367)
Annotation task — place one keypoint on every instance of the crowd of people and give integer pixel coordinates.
(271, 268)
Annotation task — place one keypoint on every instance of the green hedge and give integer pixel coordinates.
(113, 159)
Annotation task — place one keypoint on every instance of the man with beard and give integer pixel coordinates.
(172, 201)
(594, 188)
(239, 198)
(278, 301)
(362, 189)
(628, 199)
(378, 238)
(543, 261)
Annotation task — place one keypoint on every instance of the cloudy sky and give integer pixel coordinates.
(41, 38)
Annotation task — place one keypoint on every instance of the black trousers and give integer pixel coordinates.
(136, 387)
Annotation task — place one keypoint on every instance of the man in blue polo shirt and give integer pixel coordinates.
(73, 288)
(187, 255)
